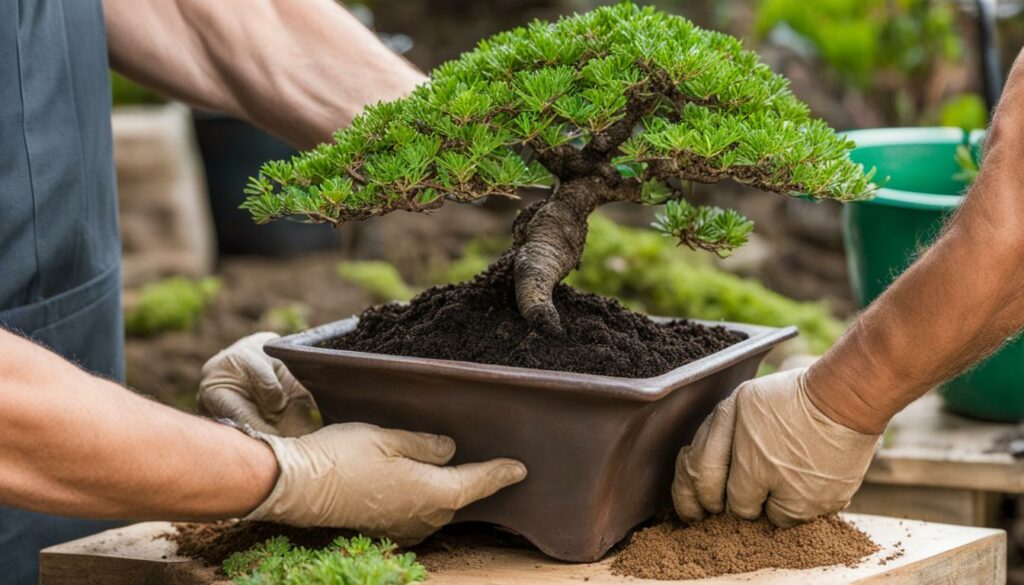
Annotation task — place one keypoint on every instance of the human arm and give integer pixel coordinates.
(797, 444)
(75, 444)
(959, 302)
(299, 69)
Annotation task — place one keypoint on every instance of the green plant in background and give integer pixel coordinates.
(967, 112)
(621, 104)
(890, 49)
(968, 164)
(172, 304)
(378, 278)
(356, 561)
(125, 92)
(287, 319)
(648, 273)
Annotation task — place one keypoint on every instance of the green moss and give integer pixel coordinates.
(380, 279)
(649, 273)
(172, 304)
(356, 561)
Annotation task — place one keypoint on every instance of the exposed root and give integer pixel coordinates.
(549, 240)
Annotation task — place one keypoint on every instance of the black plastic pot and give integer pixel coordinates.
(600, 450)
(233, 151)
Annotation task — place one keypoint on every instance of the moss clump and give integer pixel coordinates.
(174, 304)
(378, 278)
(355, 561)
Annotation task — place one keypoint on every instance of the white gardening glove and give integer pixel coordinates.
(380, 482)
(768, 446)
(245, 385)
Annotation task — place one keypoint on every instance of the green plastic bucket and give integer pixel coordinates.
(884, 235)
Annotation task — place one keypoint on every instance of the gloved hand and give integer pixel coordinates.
(381, 482)
(245, 385)
(769, 445)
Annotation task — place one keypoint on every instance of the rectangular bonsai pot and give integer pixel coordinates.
(600, 450)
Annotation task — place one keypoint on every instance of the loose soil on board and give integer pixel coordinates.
(724, 544)
(478, 322)
(718, 545)
(453, 548)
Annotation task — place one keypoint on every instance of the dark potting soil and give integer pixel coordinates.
(214, 542)
(479, 322)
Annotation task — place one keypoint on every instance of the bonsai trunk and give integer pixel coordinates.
(548, 240)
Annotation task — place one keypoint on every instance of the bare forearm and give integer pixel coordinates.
(74, 444)
(301, 69)
(959, 302)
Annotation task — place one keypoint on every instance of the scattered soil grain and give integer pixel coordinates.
(724, 544)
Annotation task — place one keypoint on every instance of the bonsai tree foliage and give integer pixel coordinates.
(619, 104)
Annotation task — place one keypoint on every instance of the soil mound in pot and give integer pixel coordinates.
(478, 321)
(725, 544)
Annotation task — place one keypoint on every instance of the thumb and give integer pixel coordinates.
(476, 481)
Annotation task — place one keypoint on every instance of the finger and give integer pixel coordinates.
(422, 447)
(785, 514)
(745, 491)
(684, 496)
(708, 463)
(474, 481)
(224, 403)
(262, 381)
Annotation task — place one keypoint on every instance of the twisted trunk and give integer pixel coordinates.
(548, 240)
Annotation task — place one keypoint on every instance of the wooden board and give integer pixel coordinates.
(928, 447)
(933, 553)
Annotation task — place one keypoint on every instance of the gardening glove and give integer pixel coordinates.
(245, 385)
(380, 482)
(769, 446)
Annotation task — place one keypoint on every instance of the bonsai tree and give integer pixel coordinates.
(618, 104)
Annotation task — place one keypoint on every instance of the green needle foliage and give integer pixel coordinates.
(621, 92)
(172, 304)
(356, 561)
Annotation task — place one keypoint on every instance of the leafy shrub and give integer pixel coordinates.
(172, 304)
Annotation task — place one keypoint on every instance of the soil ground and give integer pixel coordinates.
(479, 322)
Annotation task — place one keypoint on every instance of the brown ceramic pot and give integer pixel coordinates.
(600, 450)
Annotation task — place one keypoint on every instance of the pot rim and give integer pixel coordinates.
(874, 137)
(300, 348)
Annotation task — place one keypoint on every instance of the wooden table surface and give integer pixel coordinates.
(927, 446)
(932, 553)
